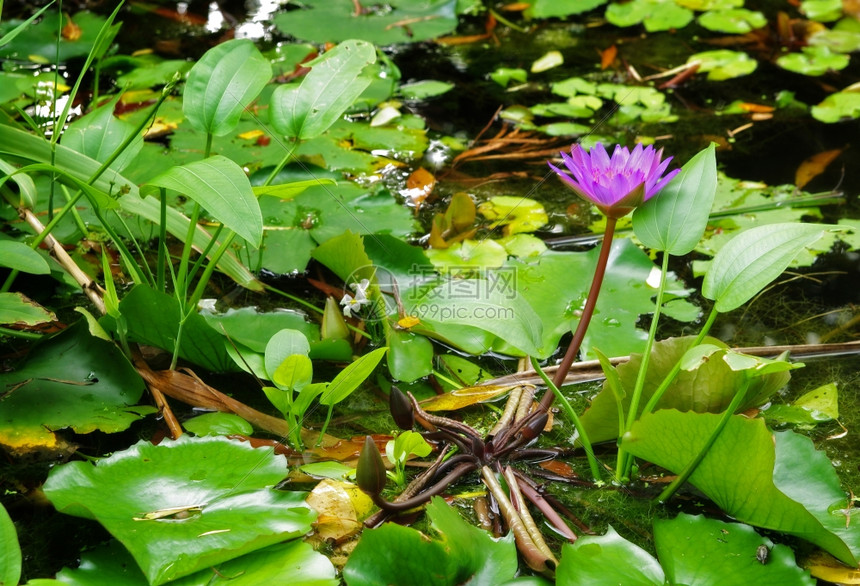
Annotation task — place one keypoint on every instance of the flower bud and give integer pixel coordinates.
(401, 409)
(370, 472)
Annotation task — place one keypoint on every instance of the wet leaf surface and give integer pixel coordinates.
(220, 489)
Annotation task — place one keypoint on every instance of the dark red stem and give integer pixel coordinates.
(587, 312)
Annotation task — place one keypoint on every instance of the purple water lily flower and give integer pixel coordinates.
(618, 184)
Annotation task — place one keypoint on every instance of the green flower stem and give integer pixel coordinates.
(587, 312)
(568, 409)
(658, 394)
(20, 334)
(623, 461)
(694, 463)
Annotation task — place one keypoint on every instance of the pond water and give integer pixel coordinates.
(811, 302)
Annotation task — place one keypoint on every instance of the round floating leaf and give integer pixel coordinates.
(462, 555)
(839, 106)
(218, 424)
(96, 388)
(294, 563)
(724, 64)
(607, 559)
(816, 60)
(655, 15)
(420, 90)
(222, 84)
(735, 21)
(184, 505)
(708, 552)
(516, 214)
(395, 22)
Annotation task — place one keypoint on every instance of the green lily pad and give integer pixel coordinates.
(816, 406)
(294, 562)
(556, 286)
(403, 21)
(724, 64)
(783, 484)
(692, 550)
(97, 388)
(421, 90)
(708, 552)
(815, 60)
(184, 505)
(462, 554)
(39, 41)
(736, 21)
(504, 75)
(607, 559)
(839, 106)
(218, 424)
(844, 37)
(517, 214)
(561, 8)
(655, 15)
(822, 10)
(468, 257)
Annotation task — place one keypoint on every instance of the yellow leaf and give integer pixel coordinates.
(459, 398)
(341, 507)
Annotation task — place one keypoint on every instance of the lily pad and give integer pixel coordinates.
(839, 106)
(97, 388)
(724, 64)
(462, 554)
(517, 214)
(403, 21)
(294, 562)
(736, 21)
(815, 60)
(655, 15)
(816, 406)
(184, 505)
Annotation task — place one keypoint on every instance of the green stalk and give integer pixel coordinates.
(694, 463)
(658, 394)
(587, 312)
(568, 409)
(161, 263)
(623, 461)
(19, 334)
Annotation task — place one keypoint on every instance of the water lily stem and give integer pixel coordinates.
(694, 463)
(587, 312)
(624, 462)
(658, 394)
(568, 409)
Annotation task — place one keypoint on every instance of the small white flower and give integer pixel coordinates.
(351, 303)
